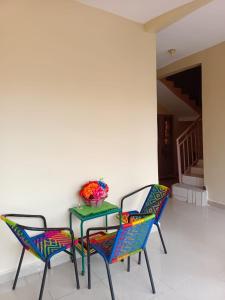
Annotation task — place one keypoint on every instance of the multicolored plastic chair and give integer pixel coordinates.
(129, 239)
(154, 203)
(44, 246)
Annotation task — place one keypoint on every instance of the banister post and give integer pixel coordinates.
(179, 162)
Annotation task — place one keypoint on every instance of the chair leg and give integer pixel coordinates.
(149, 271)
(75, 267)
(110, 279)
(18, 269)
(161, 238)
(43, 281)
(128, 264)
(139, 258)
(89, 268)
(71, 256)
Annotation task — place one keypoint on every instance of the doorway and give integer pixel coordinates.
(165, 150)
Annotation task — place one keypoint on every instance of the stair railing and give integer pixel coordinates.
(189, 147)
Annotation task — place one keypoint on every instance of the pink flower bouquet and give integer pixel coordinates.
(94, 192)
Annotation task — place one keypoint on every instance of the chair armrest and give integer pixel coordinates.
(131, 194)
(101, 228)
(140, 215)
(98, 228)
(28, 216)
(46, 229)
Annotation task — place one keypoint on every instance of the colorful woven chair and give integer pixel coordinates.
(44, 246)
(154, 203)
(129, 239)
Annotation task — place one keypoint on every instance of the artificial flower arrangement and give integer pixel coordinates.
(94, 192)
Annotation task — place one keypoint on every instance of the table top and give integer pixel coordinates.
(85, 212)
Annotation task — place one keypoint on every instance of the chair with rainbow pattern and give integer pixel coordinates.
(44, 246)
(129, 239)
(154, 203)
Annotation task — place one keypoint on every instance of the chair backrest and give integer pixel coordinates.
(131, 238)
(156, 201)
(23, 237)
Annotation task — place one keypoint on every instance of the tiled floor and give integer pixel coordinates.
(193, 269)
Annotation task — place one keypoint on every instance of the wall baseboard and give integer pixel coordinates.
(216, 204)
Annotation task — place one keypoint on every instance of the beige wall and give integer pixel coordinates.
(213, 72)
(77, 102)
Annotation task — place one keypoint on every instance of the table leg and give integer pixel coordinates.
(120, 217)
(71, 258)
(82, 248)
(106, 222)
(70, 220)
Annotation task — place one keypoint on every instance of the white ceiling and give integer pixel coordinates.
(200, 30)
(140, 11)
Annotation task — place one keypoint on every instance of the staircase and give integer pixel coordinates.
(187, 85)
(192, 189)
(190, 166)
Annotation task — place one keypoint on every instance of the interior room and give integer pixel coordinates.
(112, 149)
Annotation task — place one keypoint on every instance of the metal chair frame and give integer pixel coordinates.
(157, 217)
(107, 264)
(47, 260)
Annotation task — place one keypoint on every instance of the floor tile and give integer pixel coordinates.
(28, 290)
(136, 283)
(98, 291)
(7, 287)
(203, 288)
(61, 280)
(171, 296)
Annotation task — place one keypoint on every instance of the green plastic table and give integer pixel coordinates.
(85, 213)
